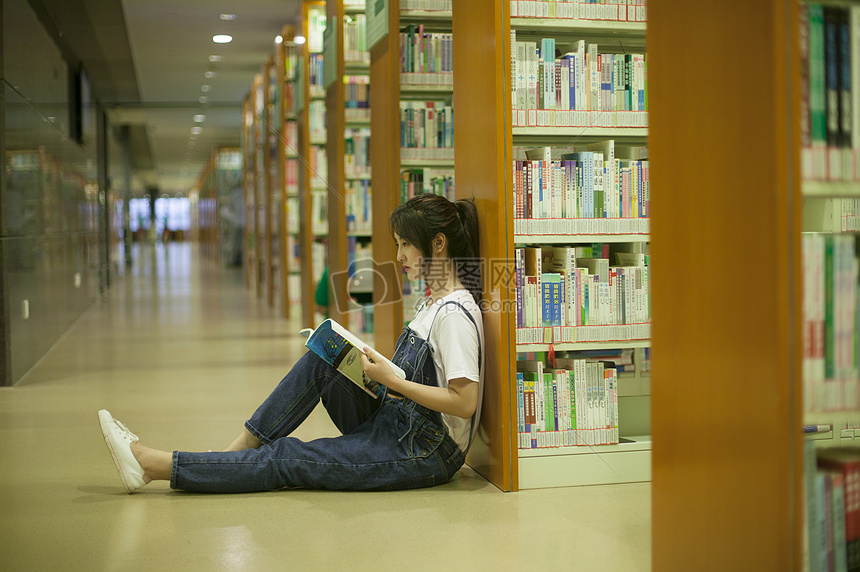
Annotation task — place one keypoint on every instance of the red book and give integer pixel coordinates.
(847, 462)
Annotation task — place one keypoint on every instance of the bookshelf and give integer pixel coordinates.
(286, 56)
(392, 89)
(310, 117)
(218, 206)
(272, 105)
(348, 124)
(487, 126)
(726, 385)
(248, 249)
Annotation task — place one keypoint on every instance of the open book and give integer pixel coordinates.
(341, 348)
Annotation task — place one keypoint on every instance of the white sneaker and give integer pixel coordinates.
(119, 439)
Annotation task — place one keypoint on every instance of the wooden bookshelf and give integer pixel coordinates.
(336, 149)
(485, 126)
(337, 122)
(385, 180)
(306, 237)
(389, 160)
(248, 251)
(482, 126)
(269, 127)
(727, 350)
(285, 115)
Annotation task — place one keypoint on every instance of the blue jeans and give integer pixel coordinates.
(387, 443)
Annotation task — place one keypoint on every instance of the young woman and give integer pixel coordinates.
(415, 435)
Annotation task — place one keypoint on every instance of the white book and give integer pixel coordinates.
(520, 101)
(531, 78)
(581, 83)
(608, 185)
(593, 78)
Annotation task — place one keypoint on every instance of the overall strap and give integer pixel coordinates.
(480, 361)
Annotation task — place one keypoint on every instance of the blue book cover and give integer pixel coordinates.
(341, 349)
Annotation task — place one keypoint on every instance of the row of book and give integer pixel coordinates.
(589, 184)
(614, 10)
(832, 508)
(831, 322)
(356, 91)
(355, 39)
(573, 404)
(426, 5)
(357, 151)
(317, 22)
(426, 180)
(316, 121)
(426, 52)
(319, 214)
(315, 72)
(560, 293)
(359, 207)
(291, 63)
(291, 173)
(550, 92)
(830, 96)
(289, 91)
(622, 358)
(848, 213)
(318, 167)
(426, 125)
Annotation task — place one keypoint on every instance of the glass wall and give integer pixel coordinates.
(50, 208)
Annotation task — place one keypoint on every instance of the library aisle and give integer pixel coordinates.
(182, 353)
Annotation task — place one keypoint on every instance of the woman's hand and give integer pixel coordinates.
(376, 368)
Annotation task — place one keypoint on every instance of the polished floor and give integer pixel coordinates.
(182, 353)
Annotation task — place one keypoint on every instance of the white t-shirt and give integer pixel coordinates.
(455, 342)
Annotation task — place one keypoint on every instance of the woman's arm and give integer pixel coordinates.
(460, 398)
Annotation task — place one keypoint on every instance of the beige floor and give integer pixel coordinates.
(182, 353)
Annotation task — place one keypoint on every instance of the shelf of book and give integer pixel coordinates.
(525, 239)
(414, 38)
(579, 346)
(311, 129)
(348, 121)
(489, 124)
(248, 250)
(288, 161)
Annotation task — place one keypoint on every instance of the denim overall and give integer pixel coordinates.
(386, 443)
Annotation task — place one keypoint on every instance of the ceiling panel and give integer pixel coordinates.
(171, 42)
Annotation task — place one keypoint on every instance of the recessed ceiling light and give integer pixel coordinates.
(299, 40)
(279, 39)
(196, 130)
(228, 17)
(199, 118)
(202, 99)
(205, 87)
(214, 58)
(222, 39)
(209, 74)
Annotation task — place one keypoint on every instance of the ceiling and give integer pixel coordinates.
(147, 62)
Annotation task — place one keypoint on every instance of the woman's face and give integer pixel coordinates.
(409, 257)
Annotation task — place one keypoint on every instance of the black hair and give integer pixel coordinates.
(424, 216)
